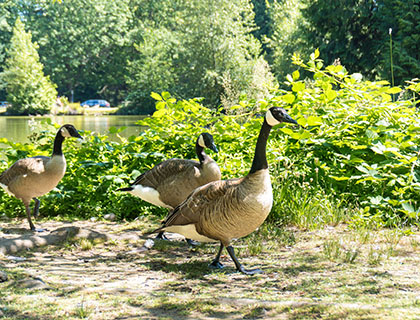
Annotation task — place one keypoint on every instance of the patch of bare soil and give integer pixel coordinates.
(102, 270)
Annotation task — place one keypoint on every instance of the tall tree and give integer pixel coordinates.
(264, 23)
(356, 31)
(343, 29)
(29, 91)
(286, 36)
(402, 17)
(84, 44)
(199, 45)
(7, 19)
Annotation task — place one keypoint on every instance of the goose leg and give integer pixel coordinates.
(239, 267)
(161, 236)
(216, 262)
(28, 214)
(36, 208)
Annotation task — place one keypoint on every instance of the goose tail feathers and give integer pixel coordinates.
(126, 189)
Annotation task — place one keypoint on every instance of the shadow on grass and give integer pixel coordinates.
(17, 230)
(14, 314)
(190, 270)
(324, 312)
(183, 309)
(8, 312)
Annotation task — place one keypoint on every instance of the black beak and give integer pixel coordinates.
(287, 118)
(77, 135)
(213, 148)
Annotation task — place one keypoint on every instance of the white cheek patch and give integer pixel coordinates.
(201, 141)
(270, 119)
(65, 133)
(148, 194)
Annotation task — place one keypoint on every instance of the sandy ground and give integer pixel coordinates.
(101, 270)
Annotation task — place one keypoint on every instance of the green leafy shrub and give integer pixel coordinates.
(361, 147)
(29, 91)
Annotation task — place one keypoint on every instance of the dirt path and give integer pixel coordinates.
(100, 270)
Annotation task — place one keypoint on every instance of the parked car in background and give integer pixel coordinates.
(4, 104)
(96, 103)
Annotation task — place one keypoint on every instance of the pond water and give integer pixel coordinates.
(17, 129)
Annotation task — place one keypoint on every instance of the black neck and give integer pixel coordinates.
(58, 142)
(199, 150)
(260, 159)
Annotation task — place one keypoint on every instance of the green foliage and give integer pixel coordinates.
(194, 49)
(220, 50)
(363, 147)
(262, 18)
(6, 26)
(153, 69)
(95, 169)
(286, 36)
(28, 90)
(84, 45)
(356, 32)
(344, 30)
(402, 17)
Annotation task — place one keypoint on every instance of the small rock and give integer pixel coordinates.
(110, 217)
(17, 259)
(3, 276)
(148, 243)
(93, 219)
(36, 283)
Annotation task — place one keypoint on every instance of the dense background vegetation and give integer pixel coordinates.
(220, 49)
(354, 158)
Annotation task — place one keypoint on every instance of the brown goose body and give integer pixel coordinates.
(33, 177)
(169, 179)
(170, 182)
(224, 210)
(230, 209)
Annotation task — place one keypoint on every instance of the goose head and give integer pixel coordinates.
(276, 115)
(68, 131)
(205, 140)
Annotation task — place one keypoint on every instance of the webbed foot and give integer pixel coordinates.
(216, 265)
(192, 243)
(239, 266)
(250, 272)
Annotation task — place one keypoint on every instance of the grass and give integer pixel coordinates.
(306, 206)
(327, 273)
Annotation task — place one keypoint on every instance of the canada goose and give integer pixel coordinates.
(32, 177)
(230, 209)
(170, 182)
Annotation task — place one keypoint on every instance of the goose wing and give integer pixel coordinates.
(166, 171)
(22, 167)
(200, 202)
